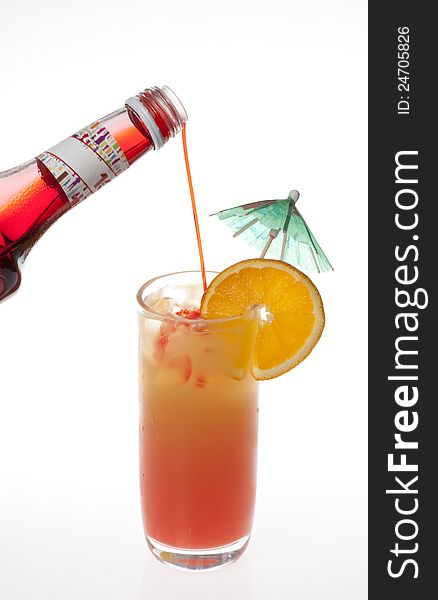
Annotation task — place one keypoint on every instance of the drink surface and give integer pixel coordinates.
(198, 430)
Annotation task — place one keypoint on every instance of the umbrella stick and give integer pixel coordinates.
(314, 250)
(283, 246)
(285, 226)
(245, 227)
(312, 254)
(272, 235)
(266, 248)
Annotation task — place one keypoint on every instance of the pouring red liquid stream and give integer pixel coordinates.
(195, 212)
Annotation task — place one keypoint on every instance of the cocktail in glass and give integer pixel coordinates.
(198, 425)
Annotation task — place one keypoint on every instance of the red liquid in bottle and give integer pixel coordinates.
(30, 198)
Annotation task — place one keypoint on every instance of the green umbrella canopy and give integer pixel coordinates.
(277, 227)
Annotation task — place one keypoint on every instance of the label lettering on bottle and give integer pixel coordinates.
(85, 162)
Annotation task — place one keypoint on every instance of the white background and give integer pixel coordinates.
(276, 96)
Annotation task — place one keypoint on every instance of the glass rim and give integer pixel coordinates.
(146, 311)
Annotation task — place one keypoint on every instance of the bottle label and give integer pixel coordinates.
(85, 162)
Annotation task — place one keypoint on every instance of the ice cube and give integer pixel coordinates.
(178, 294)
(165, 306)
(167, 300)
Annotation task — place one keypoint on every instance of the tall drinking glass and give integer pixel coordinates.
(198, 425)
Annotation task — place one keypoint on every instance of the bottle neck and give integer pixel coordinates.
(90, 158)
(148, 121)
(158, 112)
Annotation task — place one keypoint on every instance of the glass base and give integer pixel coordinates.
(198, 560)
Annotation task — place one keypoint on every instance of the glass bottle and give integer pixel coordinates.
(35, 194)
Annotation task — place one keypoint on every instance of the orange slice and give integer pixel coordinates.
(291, 311)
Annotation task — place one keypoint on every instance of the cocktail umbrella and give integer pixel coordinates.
(277, 226)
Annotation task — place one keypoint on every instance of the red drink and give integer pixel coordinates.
(198, 426)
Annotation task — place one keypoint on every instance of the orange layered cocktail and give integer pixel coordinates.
(201, 355)
(198, 425)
